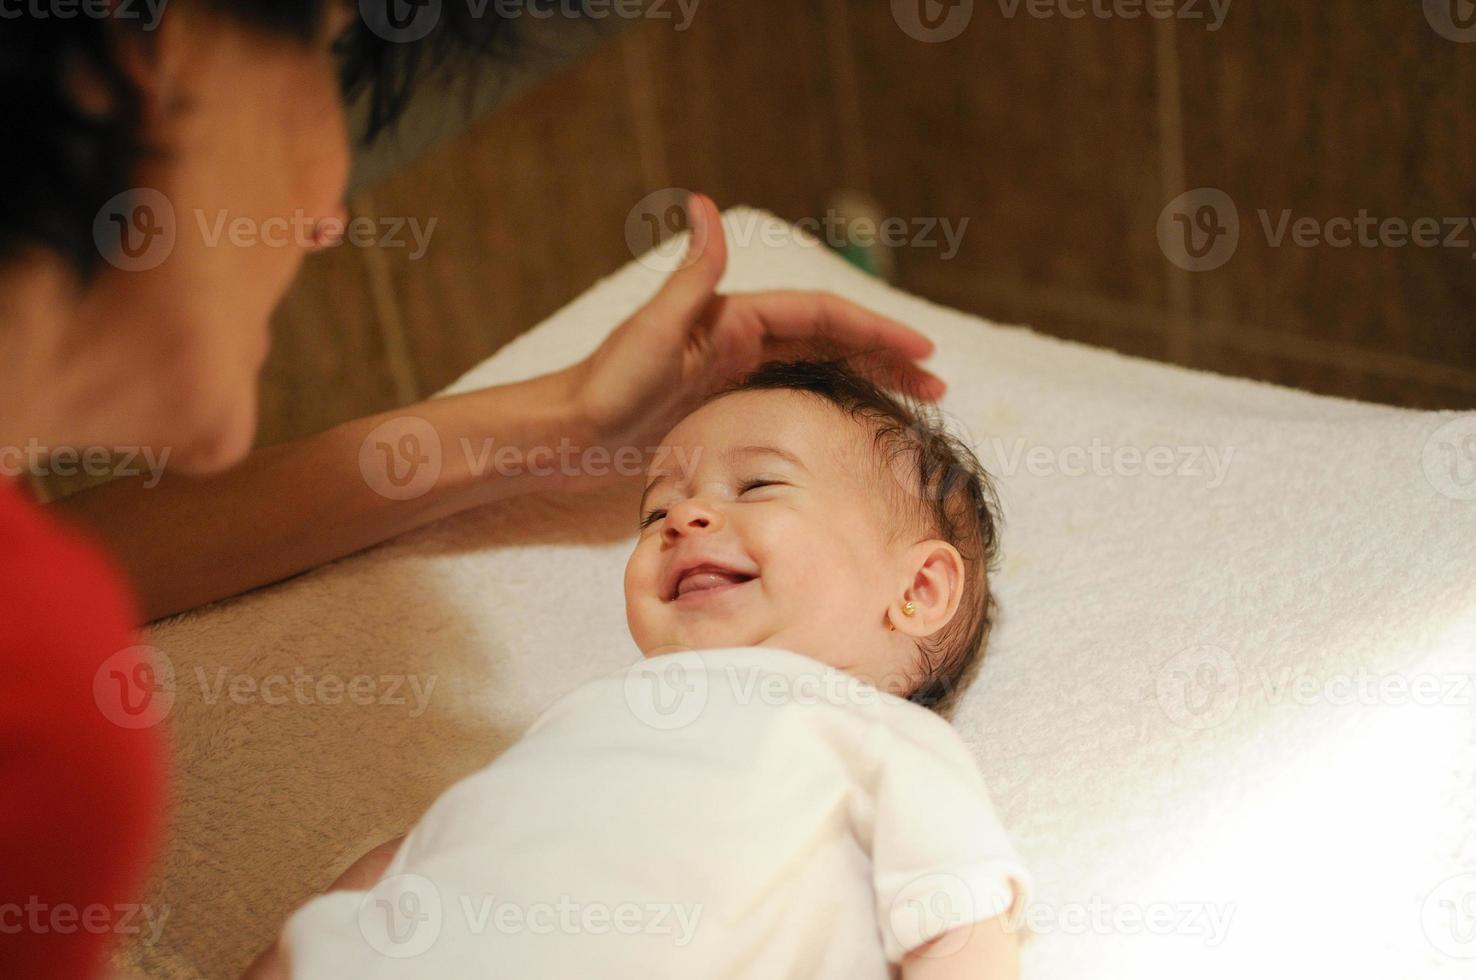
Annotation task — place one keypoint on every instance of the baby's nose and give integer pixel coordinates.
(691, 516)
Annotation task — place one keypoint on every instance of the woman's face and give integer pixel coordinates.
(257, 157)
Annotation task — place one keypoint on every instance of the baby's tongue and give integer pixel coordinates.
(708, 580)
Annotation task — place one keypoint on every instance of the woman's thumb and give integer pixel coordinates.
(691, 287)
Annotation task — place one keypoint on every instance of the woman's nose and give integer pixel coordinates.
(691, 517)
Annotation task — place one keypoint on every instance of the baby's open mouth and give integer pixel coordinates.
(706, 579)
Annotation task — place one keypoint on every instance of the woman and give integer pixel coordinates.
(234, 106)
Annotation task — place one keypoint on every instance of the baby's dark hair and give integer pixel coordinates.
(953, 498)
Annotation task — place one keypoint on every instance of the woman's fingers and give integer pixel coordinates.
(797, 324)
(790, 315)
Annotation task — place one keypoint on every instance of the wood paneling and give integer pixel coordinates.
(1327, 111)
(1059, 140)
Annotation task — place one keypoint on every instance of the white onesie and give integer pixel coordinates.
(742, 812)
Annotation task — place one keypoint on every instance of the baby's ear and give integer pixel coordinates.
(934, 588)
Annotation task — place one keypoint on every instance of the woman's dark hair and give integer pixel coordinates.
(938, 484)
(66, 159)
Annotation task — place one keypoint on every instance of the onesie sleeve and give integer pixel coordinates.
(940, 857)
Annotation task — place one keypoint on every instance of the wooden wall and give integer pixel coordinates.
(1060, 140)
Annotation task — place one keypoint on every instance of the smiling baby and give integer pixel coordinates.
(771, 792)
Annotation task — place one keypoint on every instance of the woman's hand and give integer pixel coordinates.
(689, 341)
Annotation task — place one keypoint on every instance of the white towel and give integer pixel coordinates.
(1190, 718)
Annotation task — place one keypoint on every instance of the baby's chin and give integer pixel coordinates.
(702, 636)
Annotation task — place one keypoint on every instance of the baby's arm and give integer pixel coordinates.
(360, 876)
(980, 951)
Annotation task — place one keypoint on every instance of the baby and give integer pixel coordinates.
(768, 793)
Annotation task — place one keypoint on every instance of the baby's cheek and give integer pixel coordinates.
(829, 575)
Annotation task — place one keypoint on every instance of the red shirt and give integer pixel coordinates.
(82, 757)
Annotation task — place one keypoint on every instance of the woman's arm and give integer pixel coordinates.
(188, 541)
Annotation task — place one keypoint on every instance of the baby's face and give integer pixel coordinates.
(774, 530)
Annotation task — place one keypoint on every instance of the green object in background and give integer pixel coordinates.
(872, 257)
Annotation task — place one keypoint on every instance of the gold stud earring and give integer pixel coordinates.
(908, 608)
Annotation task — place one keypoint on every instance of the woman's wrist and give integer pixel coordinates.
(529, 436)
